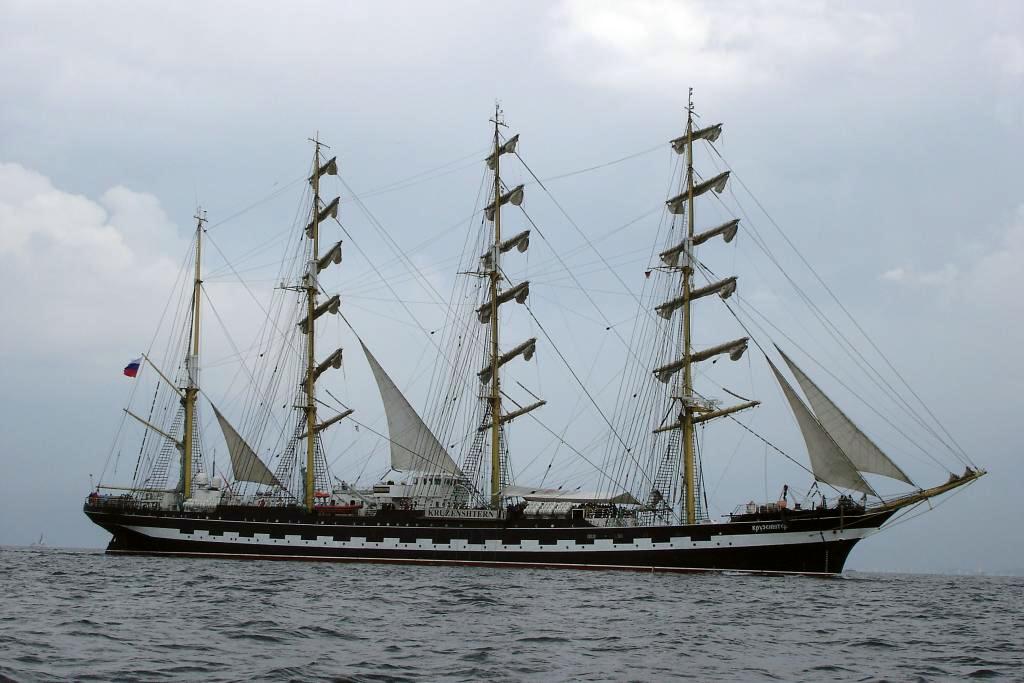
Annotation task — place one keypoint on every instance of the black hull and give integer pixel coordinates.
(805, 543)
(828, 558)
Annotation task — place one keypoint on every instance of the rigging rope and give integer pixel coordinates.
(185, 267)
(569, 174)
(577, 228)
(711, 276)
(962, 455)
(584, 388)
(258, 202)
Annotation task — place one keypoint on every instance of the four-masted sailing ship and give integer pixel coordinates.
(464, 506)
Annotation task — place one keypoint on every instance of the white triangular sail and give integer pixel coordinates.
(828, 461)
(245, 464)
(862, 451)
(413, 446)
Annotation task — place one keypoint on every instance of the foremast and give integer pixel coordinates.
(488, 313)
(689, 465)
(191, 392)
(694, 409)
(316, 263)
(493, 277)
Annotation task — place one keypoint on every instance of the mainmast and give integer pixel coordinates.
(192, 368)
(488, 313)
(694, 409)
(689, 468)
(494, 277)
(316, 264)
(311, 283)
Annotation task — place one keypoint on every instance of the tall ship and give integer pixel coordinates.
(451, 495)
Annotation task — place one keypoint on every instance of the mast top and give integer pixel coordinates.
(316, 141)
(690, 113)
(499, 115)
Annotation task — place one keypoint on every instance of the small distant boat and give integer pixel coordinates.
(40, 543)
(648, 511)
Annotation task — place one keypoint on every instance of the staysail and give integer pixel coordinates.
(828, 461)
(245, 464)
(862, 451)
(413, 446)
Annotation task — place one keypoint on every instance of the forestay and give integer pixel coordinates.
(828, 461)
(861, 450)
(413, 446)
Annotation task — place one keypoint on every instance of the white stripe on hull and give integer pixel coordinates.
(472, 563)
(674, 544)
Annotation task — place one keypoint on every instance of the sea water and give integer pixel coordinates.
(83, 615)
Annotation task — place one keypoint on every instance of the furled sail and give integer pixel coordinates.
(862, 451)
(508, 417)
(527, 349)
(245, 464)
(710, 134)
(677, 203)
(332, 305)
(520, 292)
(736, 348)
(665, 372)
(329, 168)
(333, 255)
(329, 211)
(671, 256)
(828, 461)
(515, 196)
(724, 288)
(726, 230)
(327, 423)
(332, 361)
(520, 241)
(707, 416)
(413, 446)
(508, 147)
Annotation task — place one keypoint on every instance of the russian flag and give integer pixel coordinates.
(132, 368)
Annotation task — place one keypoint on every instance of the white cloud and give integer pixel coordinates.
(713, 45)
(170, 61)
(894, 275)
(997, 277)
(1007, 52)
(77, 270)
(944, 275)
(992, 275)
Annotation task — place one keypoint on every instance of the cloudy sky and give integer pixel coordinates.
(883, 139)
